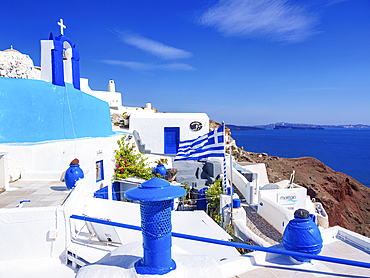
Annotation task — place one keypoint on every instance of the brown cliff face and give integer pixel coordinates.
(346, 201)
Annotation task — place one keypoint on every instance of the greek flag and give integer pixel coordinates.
(208, 145)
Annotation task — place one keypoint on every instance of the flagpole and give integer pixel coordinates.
(231, 187)
(224, 181)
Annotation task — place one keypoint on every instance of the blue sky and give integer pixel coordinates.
(245, 62)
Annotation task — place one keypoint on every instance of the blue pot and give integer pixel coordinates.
(302, 235)
(160, 169)
(202, 201)
(73, 174)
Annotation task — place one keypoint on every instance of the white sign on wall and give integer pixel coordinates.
(287, 198)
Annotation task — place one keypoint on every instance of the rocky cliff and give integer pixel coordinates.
(345, 200)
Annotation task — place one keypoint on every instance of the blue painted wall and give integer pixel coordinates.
(35, 111)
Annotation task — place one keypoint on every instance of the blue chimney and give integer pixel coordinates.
(155, 196)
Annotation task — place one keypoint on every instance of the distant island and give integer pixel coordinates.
(289, 126)
(237, 127)
(298, 127)
(294, 126)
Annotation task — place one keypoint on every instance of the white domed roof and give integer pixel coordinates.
(14, 64)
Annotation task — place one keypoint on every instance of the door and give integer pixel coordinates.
(171, 140)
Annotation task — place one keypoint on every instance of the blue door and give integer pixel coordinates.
(171, 140)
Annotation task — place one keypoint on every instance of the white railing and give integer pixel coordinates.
(277, 215)
(248, 189)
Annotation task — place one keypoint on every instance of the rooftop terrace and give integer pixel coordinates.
(39, 193)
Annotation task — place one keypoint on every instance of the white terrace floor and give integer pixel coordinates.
(278, 266)
(39, 193)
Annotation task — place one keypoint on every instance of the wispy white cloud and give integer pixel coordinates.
(154, 47)
(150, 67)
(333, 2)
(280, 20)
(323, 89)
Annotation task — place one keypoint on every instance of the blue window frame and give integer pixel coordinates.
(99, 171)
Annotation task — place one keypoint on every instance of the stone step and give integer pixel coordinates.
(187, 164)
(182, 179)
(186, 172)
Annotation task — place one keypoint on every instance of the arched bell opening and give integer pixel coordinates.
(65, 62)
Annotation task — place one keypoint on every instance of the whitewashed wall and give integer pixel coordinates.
(48, 160)
(113, 98)
(277, 215)
(249, 190)
(25, 233)
(46, 68)
(260, 169)
(151, 127)
(4, 171)
(77, 202)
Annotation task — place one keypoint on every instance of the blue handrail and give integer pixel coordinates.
(232, 244)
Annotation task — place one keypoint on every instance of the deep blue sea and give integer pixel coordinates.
(343, 150)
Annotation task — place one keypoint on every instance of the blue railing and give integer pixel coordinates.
(233, 244)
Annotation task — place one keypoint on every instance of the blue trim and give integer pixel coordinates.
(57, 61)
(171, 140)
(76, 67)
(102, 193)
(234, 244)
(100, 165)
(57, 67)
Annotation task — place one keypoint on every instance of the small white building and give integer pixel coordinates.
(112, 97)
(161, 132)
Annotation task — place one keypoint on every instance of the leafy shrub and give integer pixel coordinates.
(213, 193)
(130, 163)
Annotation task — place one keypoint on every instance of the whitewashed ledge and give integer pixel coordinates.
(120, 263)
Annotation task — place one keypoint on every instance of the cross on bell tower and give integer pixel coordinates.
(62, 27)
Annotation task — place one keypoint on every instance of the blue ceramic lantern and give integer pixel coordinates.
(155, 196)
(302, 235)
(73, 174)
(160, 169)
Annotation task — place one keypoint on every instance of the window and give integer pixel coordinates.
(99, 171)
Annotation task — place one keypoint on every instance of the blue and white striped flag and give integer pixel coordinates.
(208, 145)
